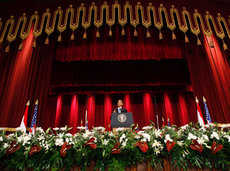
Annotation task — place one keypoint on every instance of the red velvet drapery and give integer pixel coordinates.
(27, 75)
(118, 47)
(209, 73)
(142, 105)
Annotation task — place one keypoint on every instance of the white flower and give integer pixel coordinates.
(111, 134)
(68, 135)
(156, 143)
(71, 141)
(161, 147)
(19, 129)
(1, 139)
(41, 137)
(157, 151)
(191, 136)
(185, 154)
(105, 142)
(146, 136)
(39, 129)
(5, 145)
(82, 127)
(201, 141)
(100, 128)
(203, 129)
(87, 134)
(227, 137)
(60, 134)
(157, 133)
(147, 127)
(215, 135)
(122, 137)
(140, 132)
(180, 143)
(46, 146)
(20, 139)
(59, 142)
(137, 137)
(26, 139)
(143, 140)
(120, 129)
(124, 143)
(63, 128)
(184, 127)
(205, 137)
(208, 146)
(10, 135)
(55, 129)
(168, 138)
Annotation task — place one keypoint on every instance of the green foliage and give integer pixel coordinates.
(81, 154)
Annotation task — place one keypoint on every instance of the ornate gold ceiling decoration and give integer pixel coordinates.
(73, 14)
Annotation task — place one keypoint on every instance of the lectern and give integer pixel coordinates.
(121, 120)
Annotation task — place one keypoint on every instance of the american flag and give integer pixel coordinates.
(34, 119)
(169, 123)
(137, 127)
(208, 117)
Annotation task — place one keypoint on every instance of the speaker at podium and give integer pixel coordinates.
(124, 120)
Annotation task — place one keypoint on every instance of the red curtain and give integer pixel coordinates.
(149, 107)
(58, 110)
(107, 110)
(29, 75)
(209, 73)
(73, 113)
(142, 105)
(117, 47)
(25, 75)
(11, 89)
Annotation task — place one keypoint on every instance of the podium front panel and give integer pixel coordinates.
(121, 120)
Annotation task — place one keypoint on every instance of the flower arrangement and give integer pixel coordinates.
(190, 145)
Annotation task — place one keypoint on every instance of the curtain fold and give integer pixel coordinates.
(118, 47)
(35, 73)
(26, 76)
(142, 105)
(209, 73)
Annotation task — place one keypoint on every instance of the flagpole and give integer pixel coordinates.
(23, 124)
(155, 100)
(34, 119)
(86, 112)
(199, 113)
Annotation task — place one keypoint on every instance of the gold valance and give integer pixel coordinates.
(146, 13)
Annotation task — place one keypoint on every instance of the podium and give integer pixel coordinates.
(121, 120)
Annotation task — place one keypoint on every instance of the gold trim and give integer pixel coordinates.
(10, 28)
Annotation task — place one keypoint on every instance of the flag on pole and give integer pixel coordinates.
(109, 127)
(34, 119)
(81, 123)
(163, 122)
(169, 123)
(208, 117)
(137, 127)
(23, 124)
(86, 121)
(199, 113)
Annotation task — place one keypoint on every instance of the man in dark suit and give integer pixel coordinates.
(119, 108)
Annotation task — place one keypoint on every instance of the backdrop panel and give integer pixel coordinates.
(144, 107)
